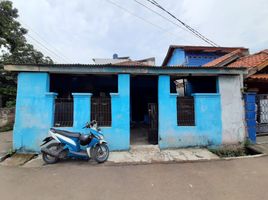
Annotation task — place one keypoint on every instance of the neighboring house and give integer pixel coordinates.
(66, 96)
(256, 81)
(196, 55)
(124, 60)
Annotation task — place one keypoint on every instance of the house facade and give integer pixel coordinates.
(256, 84)
(134, 104)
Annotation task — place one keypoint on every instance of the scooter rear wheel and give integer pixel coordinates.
(50, 159)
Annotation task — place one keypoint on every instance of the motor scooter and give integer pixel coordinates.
(62, 144)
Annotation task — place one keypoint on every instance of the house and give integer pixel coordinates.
(133, 103)
(124, 60)
(196, 55)
(256, 83)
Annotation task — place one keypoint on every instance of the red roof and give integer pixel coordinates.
(227, 58)
(259, 77)
(255, 60)
(199, 48)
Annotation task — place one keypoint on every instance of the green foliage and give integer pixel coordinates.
(14, 49)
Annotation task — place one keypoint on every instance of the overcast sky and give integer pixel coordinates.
(77, 31)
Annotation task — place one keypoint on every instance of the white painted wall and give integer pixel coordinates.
(233, 117)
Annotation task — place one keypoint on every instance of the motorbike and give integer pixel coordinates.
(63, 144)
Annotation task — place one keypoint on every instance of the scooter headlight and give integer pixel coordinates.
(101, 137)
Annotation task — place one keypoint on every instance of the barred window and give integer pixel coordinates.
(63, 116)
(101, 110)
(185, 111)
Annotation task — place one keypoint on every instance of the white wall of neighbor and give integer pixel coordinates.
(233, 114)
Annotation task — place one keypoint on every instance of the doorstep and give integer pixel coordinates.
(152, 154)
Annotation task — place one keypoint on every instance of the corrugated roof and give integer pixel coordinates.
(123, 66)
(131, 63)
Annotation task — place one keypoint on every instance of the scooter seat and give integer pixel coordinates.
(66, 133)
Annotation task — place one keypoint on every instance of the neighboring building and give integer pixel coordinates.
(256, 83)
(124, 60)
(196, 55)
(67, 96)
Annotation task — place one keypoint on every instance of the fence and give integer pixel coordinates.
(262, 113)
(185, 111)
(101, 110)
(63, 116)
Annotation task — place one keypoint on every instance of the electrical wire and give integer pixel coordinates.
(141, 18)
(195, 32)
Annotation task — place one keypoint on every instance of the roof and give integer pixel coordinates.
(259, 77)
(199, 48)
(128, 69)
(131, 63)
(227, 58)
(259, 59)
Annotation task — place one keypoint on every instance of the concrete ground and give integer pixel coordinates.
(152, 154)
(241, 179)
(5, 144)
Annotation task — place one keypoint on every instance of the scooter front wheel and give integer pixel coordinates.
(101, 153)
(48, 158)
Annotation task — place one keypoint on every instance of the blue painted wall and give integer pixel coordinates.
(118, 136)
(207, 130)
(181, 57)
(177, 58)
(34, 111)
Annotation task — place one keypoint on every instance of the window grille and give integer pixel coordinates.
(63, 116)
(101, 110)
(185, 111)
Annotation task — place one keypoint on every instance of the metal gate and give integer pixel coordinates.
(262, 113)
(153, 123)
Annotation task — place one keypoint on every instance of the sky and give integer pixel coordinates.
(77, 31)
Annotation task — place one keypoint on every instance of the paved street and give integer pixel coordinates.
(233, 179)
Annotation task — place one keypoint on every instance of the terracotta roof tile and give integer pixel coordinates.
(263, 77)
(250, 61)
(221, 61)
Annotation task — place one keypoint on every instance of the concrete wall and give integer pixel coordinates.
(118, 136)
(233, 127)
(207, 129)
(34, 111)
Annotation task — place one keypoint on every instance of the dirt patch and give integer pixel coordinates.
(234, 151)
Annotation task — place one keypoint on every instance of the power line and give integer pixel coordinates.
(56, 51)
(161, 15)
(141, 18)
(52, 53)
(195, 32)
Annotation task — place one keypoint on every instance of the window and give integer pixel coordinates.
(101, 110)
(185, 111)
(63, 116)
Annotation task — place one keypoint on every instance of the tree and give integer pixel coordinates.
(14, 49)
